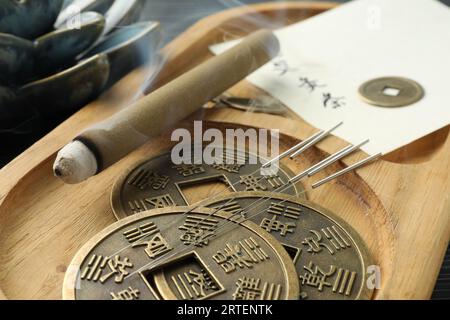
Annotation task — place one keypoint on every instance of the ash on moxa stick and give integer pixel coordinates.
(106, 143)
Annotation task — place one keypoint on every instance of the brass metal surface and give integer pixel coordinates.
(391, 92)
(330, 258)
(208, 255)
(158, 183)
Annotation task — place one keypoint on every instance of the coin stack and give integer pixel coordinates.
(257, 239)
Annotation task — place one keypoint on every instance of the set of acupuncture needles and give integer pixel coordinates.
(292, 153)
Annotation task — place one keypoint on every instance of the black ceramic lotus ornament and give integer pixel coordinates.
(56, 56)
(28, 19)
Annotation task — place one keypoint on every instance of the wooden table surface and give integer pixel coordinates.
(184, 16)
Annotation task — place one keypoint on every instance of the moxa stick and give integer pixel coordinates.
(107, 142)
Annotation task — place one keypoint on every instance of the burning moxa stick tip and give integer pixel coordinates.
(75, 163)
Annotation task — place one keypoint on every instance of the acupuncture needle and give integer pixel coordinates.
(348, 169)
(328, 161)
(314, 141)
(293, 149)
(302, 146)
(337, 156)
(262, 200)
(307, 143)
(323, 164)
(224, 229)
(288, 184)
(333, 158)
(284, 155)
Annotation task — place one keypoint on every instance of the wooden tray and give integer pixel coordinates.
(399, 205)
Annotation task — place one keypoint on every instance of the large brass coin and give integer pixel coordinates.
(330, 258)
(207, 255)
(158, 183)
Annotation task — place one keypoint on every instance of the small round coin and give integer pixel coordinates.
(391, 92)
(158, 183)
(330, 258)
(206, 254)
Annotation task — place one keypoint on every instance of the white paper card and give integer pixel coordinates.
(325, 59)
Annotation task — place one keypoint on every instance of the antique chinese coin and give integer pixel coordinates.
(330, 258)
(205, 253)
(158, 183)
(391, 92)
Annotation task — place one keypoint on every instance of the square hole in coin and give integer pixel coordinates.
(391, 92)
(187, 277)
(196, 190)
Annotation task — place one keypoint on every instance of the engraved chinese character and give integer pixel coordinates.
(242, 255)
(118, 268)
(277, 226)
(198, 230)
(137, 206)
(344, 282)
(95, 271)
(128, 294)
(285, 211)
(163, 201)
(140, 232)
(232, 207)
(315, 244)
(232, 257)
(335, 237)
(335, 241)
(316, 277)
(310, 84)
(252, 183)
(155, 247)
(334, 102)
(247, 289)
(145, 179)
(231, 168)
(187, 170)
(275, 181)
(250, 289)
(194, 285)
